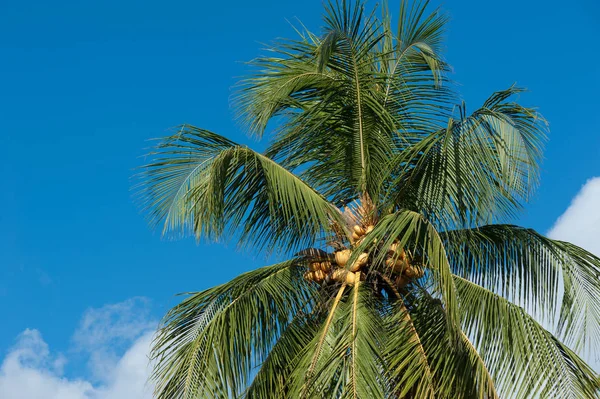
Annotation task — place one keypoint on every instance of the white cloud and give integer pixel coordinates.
(580, 223)
(115, 339)
(106, 332)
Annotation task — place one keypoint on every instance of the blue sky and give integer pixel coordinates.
(84, 85)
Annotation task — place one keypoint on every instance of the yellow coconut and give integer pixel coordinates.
(394, 246)
(390, 262)
(397, 265)
(319, 275)
(359, 262)
(355, 236)
(402, 254)
(325, 266)
(350, 278)
(363, 259)
(369, 229)
(339, 275)
(309, 276)
(314, 266)
(341, 257)
(359, 230)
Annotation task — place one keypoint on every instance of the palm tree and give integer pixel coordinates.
(404, 279)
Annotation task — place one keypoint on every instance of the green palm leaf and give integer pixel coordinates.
(538, 273)
(203, 183)
(526, 360)
(212, 340)
(476, 170)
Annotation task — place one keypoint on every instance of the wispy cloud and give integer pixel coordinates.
(105, 333)
(115, 338)
(580, 223)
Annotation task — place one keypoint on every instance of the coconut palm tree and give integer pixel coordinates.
(404, 278)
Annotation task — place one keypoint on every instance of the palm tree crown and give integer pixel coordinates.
(406, 280)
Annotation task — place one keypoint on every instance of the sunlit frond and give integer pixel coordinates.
(524, 358)
(537, 272)
(210, 342)
(336, 95)
(477, 170)
(203, 183)
(343, 359)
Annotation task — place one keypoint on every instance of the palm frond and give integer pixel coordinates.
(210, 343)
(477, 170)
(203, 183)
(272, 380)
(524, 358)
(407, 366)
(429, 360)
(312, 365)
(458, 370)
(535, 271)
(361, 342)
(342, 113)
(343, 358)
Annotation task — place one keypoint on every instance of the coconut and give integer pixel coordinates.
(363, 259)
(309, 276)
(339, 275)
(355, 267)
(397, 265)
(325, 266)
(355, 236)
(350, 278)
(369, 229)
(314, 266)
(402, 254)
(394, 246)
(341, 257)
(359, 230)
(319, 276)
(410, 271)
(360, 262)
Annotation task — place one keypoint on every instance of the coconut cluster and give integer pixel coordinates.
(328, 268)
(402, 265)
(335, 269)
